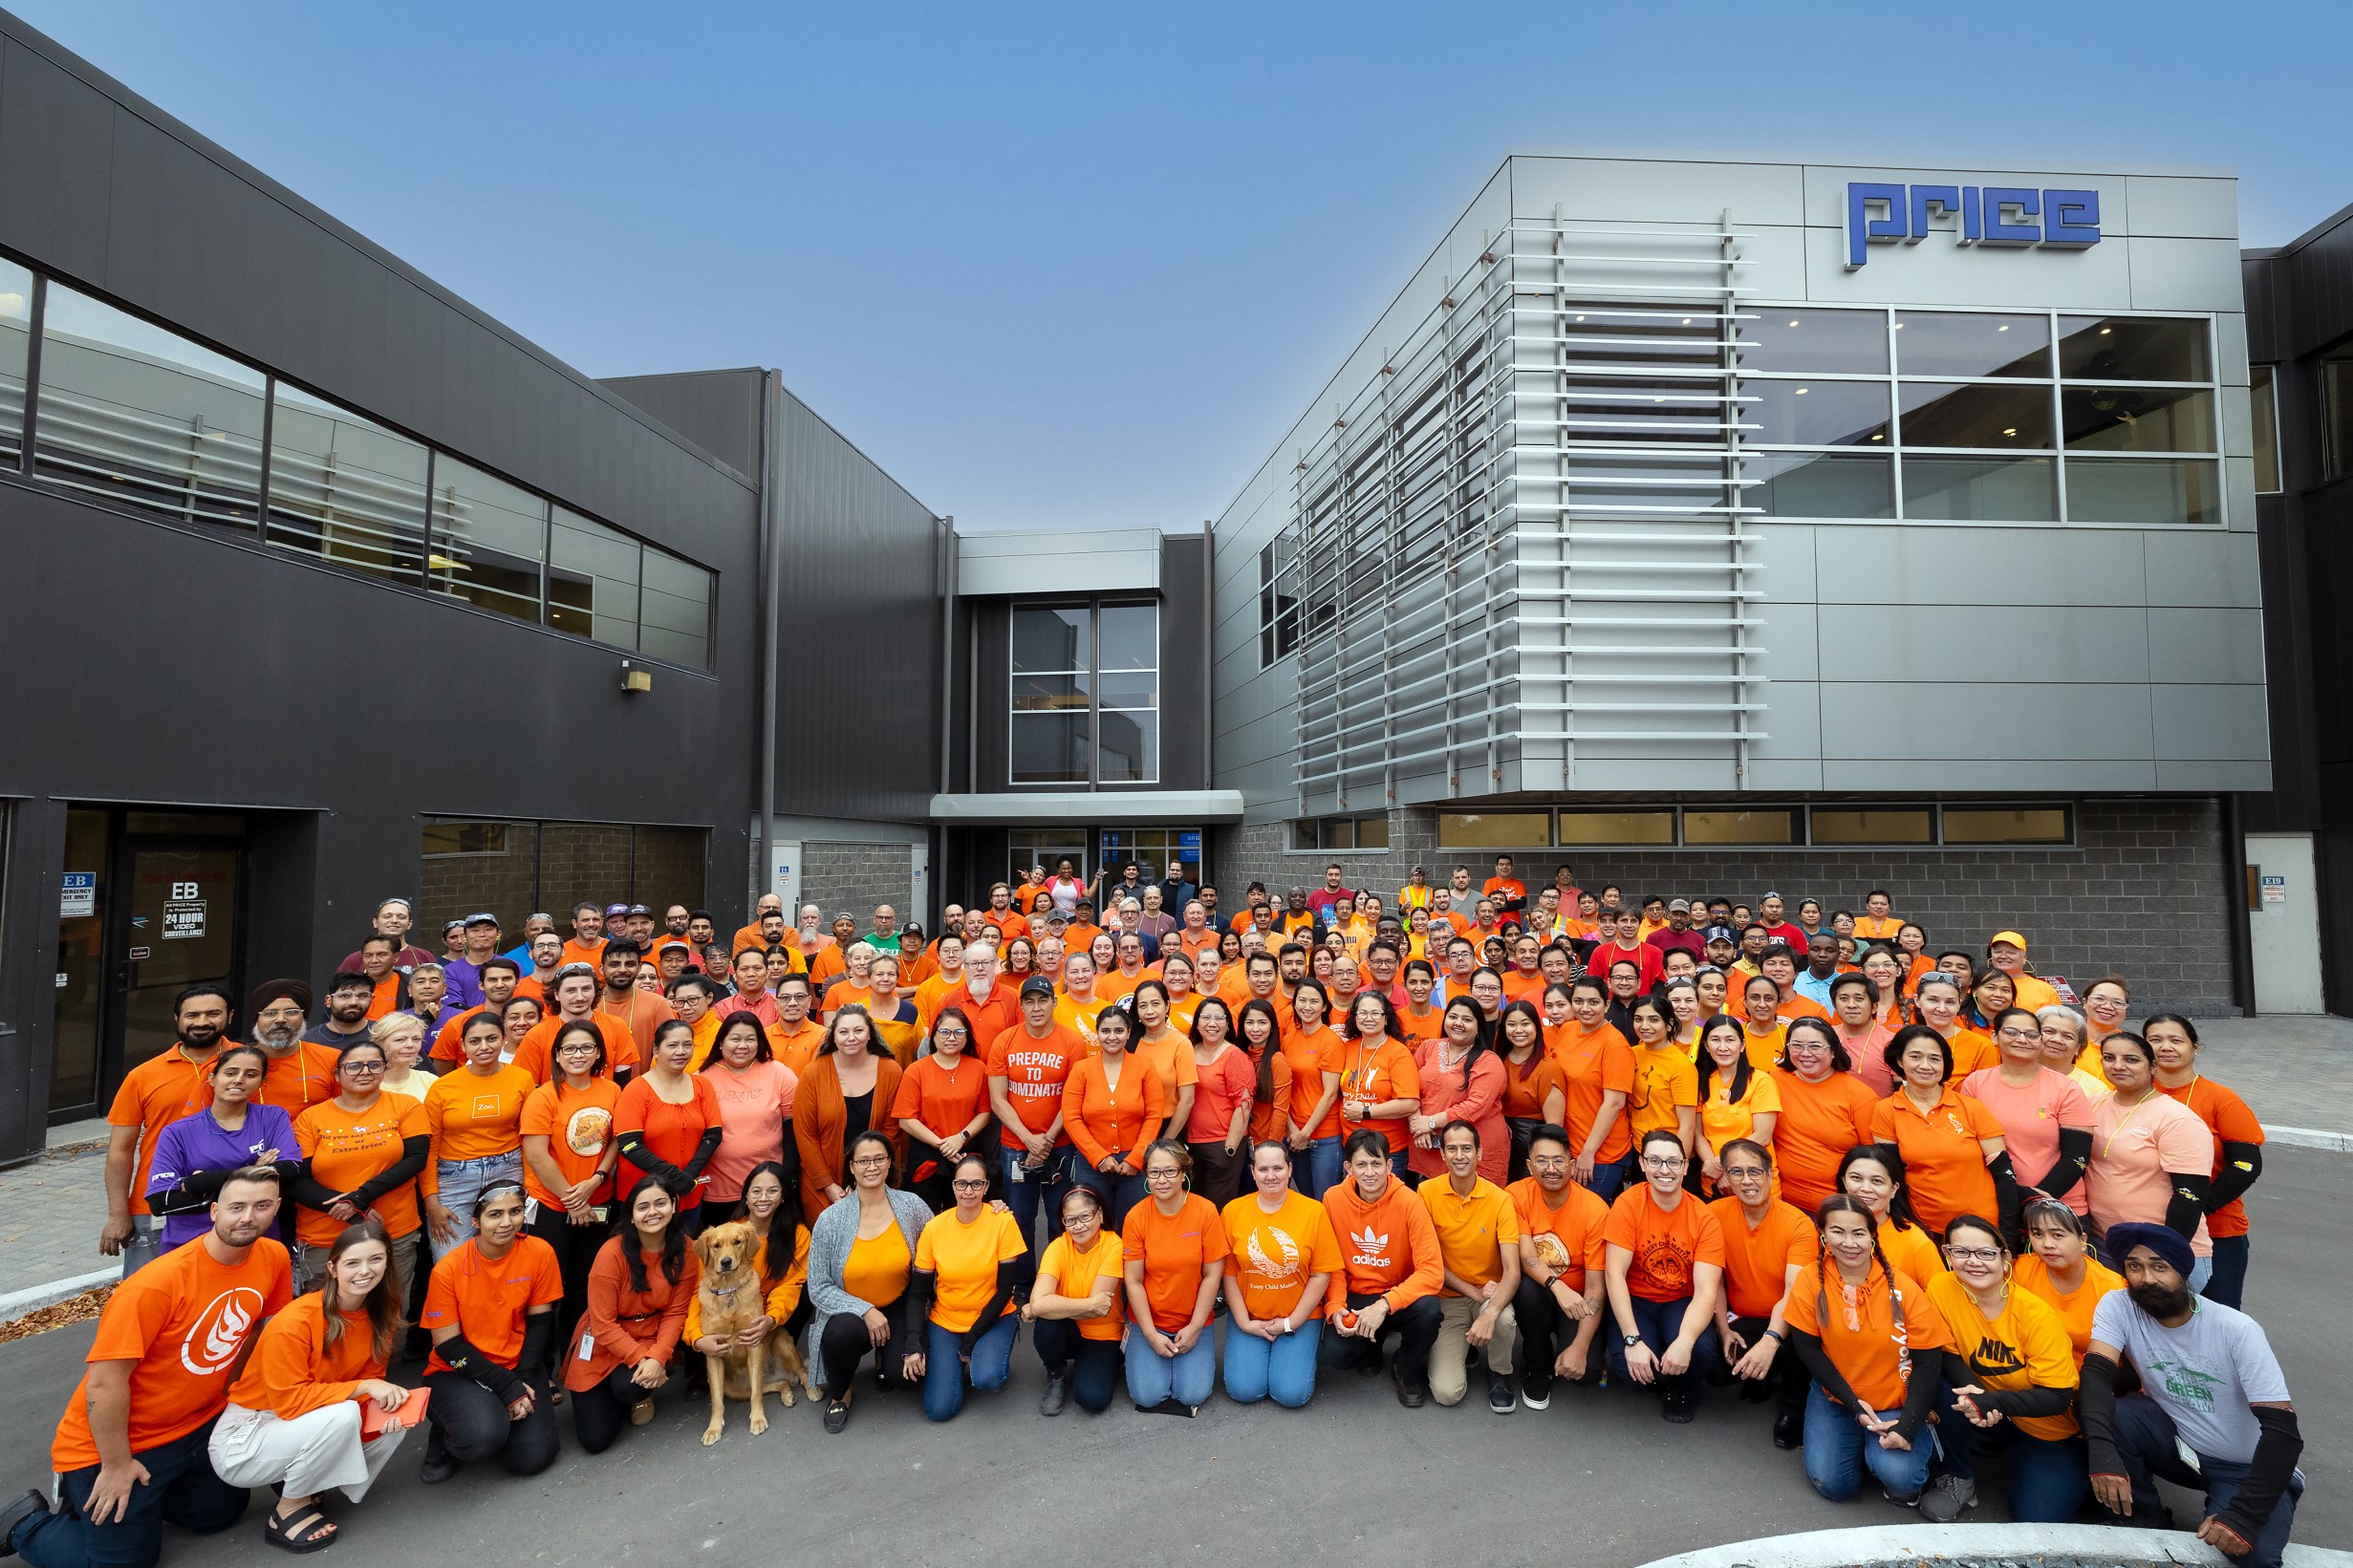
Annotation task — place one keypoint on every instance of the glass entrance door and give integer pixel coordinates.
(152, 903)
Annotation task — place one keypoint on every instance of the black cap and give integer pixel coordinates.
(1037, 985)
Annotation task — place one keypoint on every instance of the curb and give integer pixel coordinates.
(1883, 1546)
(17, 1302)
(2306, 1137)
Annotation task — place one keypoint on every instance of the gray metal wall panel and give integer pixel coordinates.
(718, 410)
(860, 586)
(1987, 642)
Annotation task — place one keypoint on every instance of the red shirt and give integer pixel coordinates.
(1650, 960)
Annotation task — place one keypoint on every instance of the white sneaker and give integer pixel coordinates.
(1945, 1498)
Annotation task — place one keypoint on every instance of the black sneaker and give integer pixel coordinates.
(16, 1514)
(439, 1462)
(1057, 1393)
(1500, 1397)
(1535, 1390)
(1677, 1407)
(836, 1415)
(1411, 1395)
(1788, 1431)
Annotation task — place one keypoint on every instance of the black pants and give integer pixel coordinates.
(1786, 1385)
(576, 1250)
(1216, 1175)
(1523, 1134)
(1415, 1330)
(181, 1488)
(1096, 1367)
(601, 1414)
(845, 1342)
(1546, 1331)
(468, 1422)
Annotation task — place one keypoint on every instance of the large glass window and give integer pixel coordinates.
(344, 489)
(2266, 402)
(1278, 600)
(144, 417)
(489, 540)
(15, 348)
(512, 868)
(677, 613)
(1085, 694)
(1774, 827)
(1900, 824)
(1493, 829)
(2336, 415)
(1982, 415)
(592, 580)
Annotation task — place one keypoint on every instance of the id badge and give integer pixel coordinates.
(587, 1345)
(2189, 1455)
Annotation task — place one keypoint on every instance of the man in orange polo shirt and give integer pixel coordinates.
(131, 1451)
(753, 933)
(158, 1091)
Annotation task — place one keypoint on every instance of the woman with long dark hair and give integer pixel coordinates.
(770, 1206)
(640, 1289)
(1461, 1081)
(755, 1093)
(1225, 1080)
(1875, 1350)
(668, 1123)
(1736, 1099)
(861, 1254)
(1532, 1093)
(1259, 1031)
(297, 1414)
(1872, 1175)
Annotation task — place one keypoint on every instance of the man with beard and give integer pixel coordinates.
(132, 1449)
(639, 1012)
(158, 1091)
(2213, 1413)
(301, 1073)
(349, 997)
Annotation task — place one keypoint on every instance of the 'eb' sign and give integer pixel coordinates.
(1998, 215)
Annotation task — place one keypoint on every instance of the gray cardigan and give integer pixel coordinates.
(829, 1240)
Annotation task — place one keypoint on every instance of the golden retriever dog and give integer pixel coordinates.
(732, 1299)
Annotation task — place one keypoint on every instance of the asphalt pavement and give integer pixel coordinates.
(1598, 1479)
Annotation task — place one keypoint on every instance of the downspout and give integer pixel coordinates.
(2235, 891)
(1209, 689)
(950, 571)
(772, 570)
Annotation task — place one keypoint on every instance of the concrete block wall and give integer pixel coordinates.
(2140, 894)
(837, 875)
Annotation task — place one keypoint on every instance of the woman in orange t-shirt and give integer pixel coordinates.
(1938, 999)
(668, 1123)
(1874, 1346)
(1283, 1255)
(1174, 1250)
(639, 1288)
(1532, 1094)
(1074, 1312)
(1261, 1034)
(1111, 1109)
(1597, 1077)
(364, 1149)
(1420, 1017)
(1952, 1145)
(1825, 1112)
(1226, 1082)
(942, 1106)
(1313, 1052)
(293, 1415)
(1380, 1085)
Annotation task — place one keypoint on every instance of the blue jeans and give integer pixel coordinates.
(944, 1369)
(181, 1486)
(460, 1181)
(1039, 1189)
(2049, 1477)
(1119, 1193)
(2145, 1440)
(1154, 1379)
(1285, 1367)
(2227, 1285)
(1609, 1180)
(1838, 1450)
(1318, 1170)
(1658, 1322)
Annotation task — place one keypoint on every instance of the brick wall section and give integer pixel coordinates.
(837, 876)
(2140, 893)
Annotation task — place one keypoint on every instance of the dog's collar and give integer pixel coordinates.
(729, 1291)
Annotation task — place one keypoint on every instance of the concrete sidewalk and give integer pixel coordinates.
(2296, 1072)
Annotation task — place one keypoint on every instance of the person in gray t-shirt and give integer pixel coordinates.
(2213, 1413)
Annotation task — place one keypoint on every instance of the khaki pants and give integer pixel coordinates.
(1449, 1356)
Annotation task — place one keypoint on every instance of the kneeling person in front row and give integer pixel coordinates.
(1479, 1248)
(300, 1416)
(489, 1309)
(1389, 1272)
(131, 1452)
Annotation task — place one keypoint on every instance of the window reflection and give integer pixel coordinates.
(2130, 419)
(1941, 414)
(1988, 489)
(1832, 342)
(1972, 343)
(1816, 413)
(2133, 349)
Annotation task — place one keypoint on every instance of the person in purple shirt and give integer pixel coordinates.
(196, 1153)
(465, 974)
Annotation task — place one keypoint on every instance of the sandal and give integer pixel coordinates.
(305, 1530)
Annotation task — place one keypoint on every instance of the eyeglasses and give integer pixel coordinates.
(1665, 1162)
(1973, 1254)
(361, 1067)
(980, 1186)
(1745, 1172)
(1164, 1175)
(869, 1161)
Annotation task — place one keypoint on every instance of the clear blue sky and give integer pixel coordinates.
(1085, 264)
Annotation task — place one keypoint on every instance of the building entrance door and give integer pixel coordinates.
(2284, 923)
(162, 911)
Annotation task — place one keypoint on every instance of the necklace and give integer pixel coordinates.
(2126, 1126)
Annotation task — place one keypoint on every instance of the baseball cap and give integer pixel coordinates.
(1769, 894)
(1037, 985)
(2010, 937)
(1678, 906)
(638, 908)
(611, 909)
(1720, 934)
(485, 918)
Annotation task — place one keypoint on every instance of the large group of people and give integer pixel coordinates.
(1951, 1219)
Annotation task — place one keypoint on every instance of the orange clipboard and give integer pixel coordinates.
(412, 1413)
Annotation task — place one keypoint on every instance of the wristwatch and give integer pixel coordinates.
(1632, 1340)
